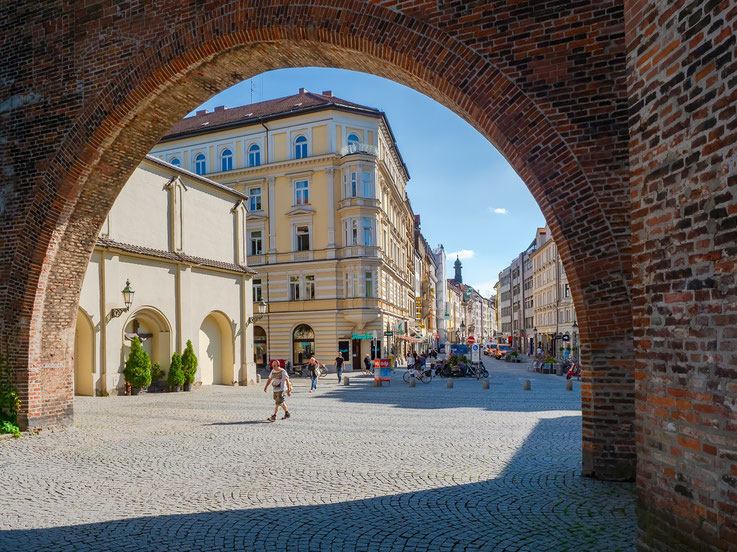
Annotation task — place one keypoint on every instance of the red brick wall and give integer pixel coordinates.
(683, 152)
(94, 85)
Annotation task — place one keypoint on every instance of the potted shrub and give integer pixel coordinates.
(157, 378)
(189, 366)
(548, 362)
(137, 370)
(175, 378)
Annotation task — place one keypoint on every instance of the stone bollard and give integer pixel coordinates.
(569, 385)
(377, 383)
(485, 384)
(346, 380)
(527, 385)
(258, 378)
(449, 384)
(412, 382)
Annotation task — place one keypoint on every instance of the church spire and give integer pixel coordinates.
(457, 265)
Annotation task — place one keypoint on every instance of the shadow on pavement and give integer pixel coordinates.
(538, 502)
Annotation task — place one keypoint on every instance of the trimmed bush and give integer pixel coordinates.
(157, 373)
(175, 378)
(137, 370)
(189, 363)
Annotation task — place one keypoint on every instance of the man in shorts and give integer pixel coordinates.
(282, 388)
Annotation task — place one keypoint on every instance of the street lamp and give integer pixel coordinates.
(261, 309)
(575, 346)
(463, 329)
(127, 299)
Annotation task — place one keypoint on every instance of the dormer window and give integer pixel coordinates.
(226, 160)
(300, 147)
(200, 166)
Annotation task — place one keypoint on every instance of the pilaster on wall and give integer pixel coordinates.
(682, 60)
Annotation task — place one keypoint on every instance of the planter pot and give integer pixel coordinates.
(175, 388)
(157, 387)
(188, 387)
(136, 390)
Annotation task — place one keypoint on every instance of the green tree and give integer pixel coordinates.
(189, 363)
(137, 370)
(175, 377)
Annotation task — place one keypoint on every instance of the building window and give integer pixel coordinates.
(200, 166)
(367, 232)
(175, 161)
(367, 189)
(254, 156)
(257, 293)
(301, 192)
(226, 160)
(354, 232)
(310, 287)
(369, 284)
(352, 139)
(254, 195)
(300, 147)
(303, 238)
(256, 243)
(354, 184)
(294, 286)
(566, 291)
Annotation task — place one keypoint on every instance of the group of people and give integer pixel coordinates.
(282, 386)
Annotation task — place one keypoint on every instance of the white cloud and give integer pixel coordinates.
(462, 254)
(499, 210)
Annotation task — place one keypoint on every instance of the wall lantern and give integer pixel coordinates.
(128, 293)
(262, 311)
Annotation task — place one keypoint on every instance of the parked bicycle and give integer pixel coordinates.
(424, 375)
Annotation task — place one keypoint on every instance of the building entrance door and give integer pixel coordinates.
(356, 354)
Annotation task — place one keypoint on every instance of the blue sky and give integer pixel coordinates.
(469, 197)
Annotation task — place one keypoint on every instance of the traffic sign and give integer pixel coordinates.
(471, 340)
(475, 357)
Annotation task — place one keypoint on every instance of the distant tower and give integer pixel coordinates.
(457, 265)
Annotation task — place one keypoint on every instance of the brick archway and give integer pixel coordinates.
(545, 103)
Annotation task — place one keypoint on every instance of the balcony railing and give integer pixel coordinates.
(359, 148)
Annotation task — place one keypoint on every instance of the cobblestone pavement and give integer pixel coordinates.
(356, 468)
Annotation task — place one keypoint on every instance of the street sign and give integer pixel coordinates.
(471, 340)
(566, 338)
(388, 334)
(475, 353)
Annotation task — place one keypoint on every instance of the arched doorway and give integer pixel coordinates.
(84, 356)
(215, 359)
(154, 331)
(575, 166)
(303, 344)
(259, 346)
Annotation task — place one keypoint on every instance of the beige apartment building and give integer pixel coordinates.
(555, 314)
(330, 229)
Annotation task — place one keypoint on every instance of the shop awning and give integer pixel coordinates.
(409, 338)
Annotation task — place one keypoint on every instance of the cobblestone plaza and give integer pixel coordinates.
(356, 468)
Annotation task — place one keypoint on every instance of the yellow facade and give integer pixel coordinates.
(329, 229)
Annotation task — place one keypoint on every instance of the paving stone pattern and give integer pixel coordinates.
(356, 468)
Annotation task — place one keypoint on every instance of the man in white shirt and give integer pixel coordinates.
(279, 379)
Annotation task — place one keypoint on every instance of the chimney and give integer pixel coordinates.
(328, 93)
(219, 108)
(302, 90)
(202, 112)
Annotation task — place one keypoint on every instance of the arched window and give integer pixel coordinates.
(352, 139)
(200, 167)
(175, 161)
(226, 160)
(300, 147)
(254, 156)
(303, 344)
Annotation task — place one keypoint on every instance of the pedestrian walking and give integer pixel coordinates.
(366, 365)
(312, 368)
(281, 387)
(410, 361)
(339, 366)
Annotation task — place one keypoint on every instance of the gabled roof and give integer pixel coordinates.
(205, 121)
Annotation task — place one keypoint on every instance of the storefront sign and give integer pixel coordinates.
(362, 337)
(388, 334)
